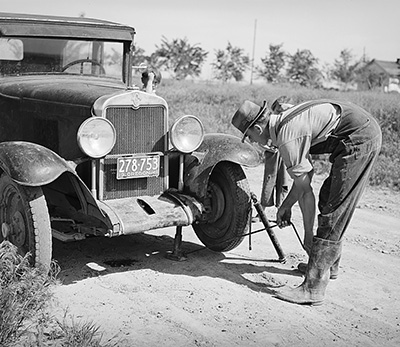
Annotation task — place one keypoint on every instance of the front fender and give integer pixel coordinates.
(30, 164)
(214, 149)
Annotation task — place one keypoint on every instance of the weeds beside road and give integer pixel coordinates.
(25, 294)
(215, 105)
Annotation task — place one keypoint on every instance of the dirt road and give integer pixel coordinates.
(214, 299)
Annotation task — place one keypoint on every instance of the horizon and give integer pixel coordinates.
(365, 28)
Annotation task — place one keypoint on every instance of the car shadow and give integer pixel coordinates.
(102, 256)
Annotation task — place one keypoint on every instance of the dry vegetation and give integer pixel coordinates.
(25, 293)
(215, 104)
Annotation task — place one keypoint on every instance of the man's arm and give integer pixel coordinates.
(302, 192)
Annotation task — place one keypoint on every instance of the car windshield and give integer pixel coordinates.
(41, 56)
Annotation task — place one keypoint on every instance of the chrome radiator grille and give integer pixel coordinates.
(141, 130)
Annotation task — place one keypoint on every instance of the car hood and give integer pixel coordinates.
(59, 89)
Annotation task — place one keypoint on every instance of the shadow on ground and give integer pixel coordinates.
(144, 251)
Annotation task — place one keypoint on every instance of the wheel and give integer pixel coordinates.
(82, 61)
(227, 208)
(25, 221)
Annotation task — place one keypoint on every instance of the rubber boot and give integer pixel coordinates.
(335, 269)
(312, 291)
(302, 267)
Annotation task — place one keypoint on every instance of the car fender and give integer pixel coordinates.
(30, 164)
(215, 149)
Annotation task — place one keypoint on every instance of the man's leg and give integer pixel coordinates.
(347, 180)
(312, 290)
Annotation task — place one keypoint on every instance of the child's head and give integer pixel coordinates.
(157, 76)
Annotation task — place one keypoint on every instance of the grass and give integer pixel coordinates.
(24, 292)
(24, 320)
(74, 333)
(215, 105)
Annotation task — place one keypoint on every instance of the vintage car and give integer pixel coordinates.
(85, 152)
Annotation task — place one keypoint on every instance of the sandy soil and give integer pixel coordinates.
(213, 299)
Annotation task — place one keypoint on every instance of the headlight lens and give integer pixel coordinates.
(187, 134)
(96, 137)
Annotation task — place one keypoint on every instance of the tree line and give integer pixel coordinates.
(182, 59)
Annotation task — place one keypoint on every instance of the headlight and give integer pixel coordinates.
(187, 134)
(96, 137)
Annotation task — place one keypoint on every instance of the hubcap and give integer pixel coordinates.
(215, 204)
(13, 225)
(18, 230)
(5, 231)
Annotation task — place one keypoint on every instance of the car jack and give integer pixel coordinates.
(178, 255)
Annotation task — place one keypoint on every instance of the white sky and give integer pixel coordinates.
(325, 27)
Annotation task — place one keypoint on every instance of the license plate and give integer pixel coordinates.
(138, 166)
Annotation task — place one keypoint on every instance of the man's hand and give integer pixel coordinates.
(301, 191)
(283, 217)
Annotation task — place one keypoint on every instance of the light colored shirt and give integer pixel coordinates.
(296, 137)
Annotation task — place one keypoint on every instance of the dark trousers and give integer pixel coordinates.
(354, 147)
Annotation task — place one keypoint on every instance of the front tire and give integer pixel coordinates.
(25, 221)
(228, 209)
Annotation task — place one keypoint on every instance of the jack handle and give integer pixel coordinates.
(268, 228)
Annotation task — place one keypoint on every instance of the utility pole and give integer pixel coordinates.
(254, 46)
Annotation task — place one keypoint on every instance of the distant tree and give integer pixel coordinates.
(139, 57)
(179, 57)
(344, 68)
(272, 63)
(326, 71)
(230, 63)
(302, 68)
(112, 58)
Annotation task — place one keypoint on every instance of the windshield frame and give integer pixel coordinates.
(51, 55)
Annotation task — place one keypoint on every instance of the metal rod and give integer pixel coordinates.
(268, 228)
(298, 237)
(177, 253)
(181, 167)
(94, 181)
(101, 179)
(178, 240)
